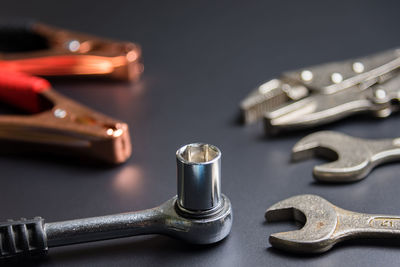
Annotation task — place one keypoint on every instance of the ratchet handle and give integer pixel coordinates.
(22, 90)
(23, 237)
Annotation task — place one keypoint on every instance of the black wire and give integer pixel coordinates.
(17, 35)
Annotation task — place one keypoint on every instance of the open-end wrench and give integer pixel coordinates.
(355, 157)
(200, 214)
(325, 224)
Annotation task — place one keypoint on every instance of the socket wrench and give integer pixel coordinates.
(199, 214)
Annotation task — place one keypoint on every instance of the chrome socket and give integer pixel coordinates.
(199, 178)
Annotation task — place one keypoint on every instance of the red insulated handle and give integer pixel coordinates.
(22, 91)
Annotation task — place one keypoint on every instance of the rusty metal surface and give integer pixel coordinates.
(325, 224)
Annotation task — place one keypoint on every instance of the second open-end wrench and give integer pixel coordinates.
(325, 224)
(355, 157)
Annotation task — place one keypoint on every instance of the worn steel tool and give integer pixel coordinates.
(200, 214)
(328, 92)
(354, 157)
(43, 50)
(325, 224)
(58, 124)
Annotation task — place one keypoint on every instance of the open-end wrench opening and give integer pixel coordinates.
(288, 214)
(316, 151)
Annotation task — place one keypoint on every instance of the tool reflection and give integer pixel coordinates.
(128, 180)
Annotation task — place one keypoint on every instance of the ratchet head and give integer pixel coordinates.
(199, 228)
(351, 156)
(319, 217)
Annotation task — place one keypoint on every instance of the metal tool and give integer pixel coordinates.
(325, 93)
(200, 214)
(325, 224)
(353, 157)
(39, 49)
(59, 125)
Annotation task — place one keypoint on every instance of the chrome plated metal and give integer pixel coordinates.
(328, 92)
(165, 219)
(199, 177)
(353, 157)
(199, 217)
(325, 224)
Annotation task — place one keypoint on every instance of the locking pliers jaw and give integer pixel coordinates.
(324, 93)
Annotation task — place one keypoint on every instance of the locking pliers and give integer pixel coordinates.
(328, 92)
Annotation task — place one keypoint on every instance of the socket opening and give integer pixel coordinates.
(198, 153)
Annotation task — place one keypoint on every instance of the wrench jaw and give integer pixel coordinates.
(302, 151)
(297, 241)
(286, 241)
(326, 144)
(350, 157)
(319, 218)
(334, 172)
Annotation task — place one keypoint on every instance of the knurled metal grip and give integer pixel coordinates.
(22, 237)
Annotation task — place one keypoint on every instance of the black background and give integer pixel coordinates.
(201, 58)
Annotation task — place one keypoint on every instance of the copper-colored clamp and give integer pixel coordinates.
(58, 122)
(50, 51)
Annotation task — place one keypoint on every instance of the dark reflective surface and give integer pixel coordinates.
(201, 59)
